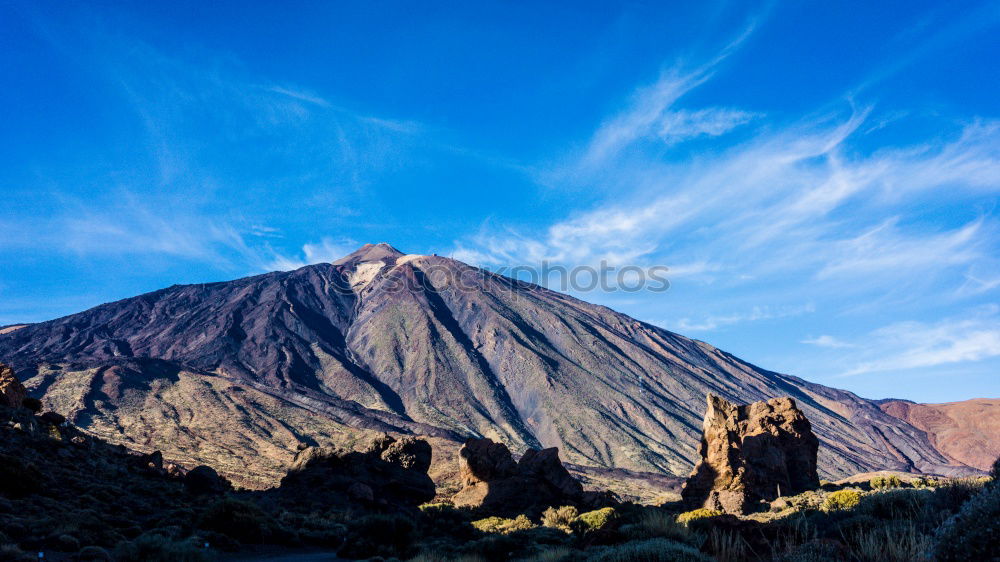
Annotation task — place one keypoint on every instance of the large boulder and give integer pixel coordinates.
(492, 481)
(205, 480)
(752, 454)
(12, 392)
(387, 473)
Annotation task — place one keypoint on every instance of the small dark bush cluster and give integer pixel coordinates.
(380, 535)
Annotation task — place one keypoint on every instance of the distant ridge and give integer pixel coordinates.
(966, 432)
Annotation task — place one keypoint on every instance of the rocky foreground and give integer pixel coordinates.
(75, 497)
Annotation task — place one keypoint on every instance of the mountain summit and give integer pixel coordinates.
(239, 373)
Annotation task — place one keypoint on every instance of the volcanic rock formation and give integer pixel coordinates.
(235, 374)
(386, 473)
(493, 481)
(752, 453)
(12, 392)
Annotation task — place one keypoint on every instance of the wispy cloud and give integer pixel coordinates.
(912, 345)
(818, 209)
(756, 314)
(828, 341)
(327, 250)
(649, 114)
(217, 144)
(677, 126)
(299, 95)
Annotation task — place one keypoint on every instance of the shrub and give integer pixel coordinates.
(727, 546)
(14, 554)
(894, 504)
(444, 557)
(842, 499)
(814, 551)
(889, 543)
(656, 523)
(884, 482)
(951, 494)
(995, 471)
(502, 525)
(444, 520)
(500, 548)
(806, 500)
(560, 518)
(700, 513)
(974, 532)
(652, 550)
(924, 482)
(435, 507)
(93, 554)
(315, 529)
(33, 404)
(593, 520)
(66, 543)
(156, 548)
(18, 478)
(379, 535)
(238, 519)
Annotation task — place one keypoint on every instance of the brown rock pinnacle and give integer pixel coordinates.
(752, 453)
(12, 392)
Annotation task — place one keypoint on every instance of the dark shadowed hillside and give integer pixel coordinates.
(238, 373)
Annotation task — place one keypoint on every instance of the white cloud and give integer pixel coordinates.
(327, 250)
(885, 248)
(756, 314)
(649, 116)
(912, 345)
(828, 341)
(676, 126)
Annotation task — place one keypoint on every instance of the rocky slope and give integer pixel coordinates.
(966, 432)
(237, 374)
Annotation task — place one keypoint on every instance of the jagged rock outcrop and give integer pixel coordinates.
(388, 473)
(12, 392)
(752, 453)
(493, 481)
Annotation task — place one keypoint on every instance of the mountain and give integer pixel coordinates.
(237, 374)
(965, 432)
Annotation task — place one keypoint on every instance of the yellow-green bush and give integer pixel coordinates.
(842, 499)
(700, 513)
(593, 520)
(883, 482)
(560, 518)
(435, 507)
(502, 525)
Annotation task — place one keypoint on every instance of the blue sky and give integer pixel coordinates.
(821, 178)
